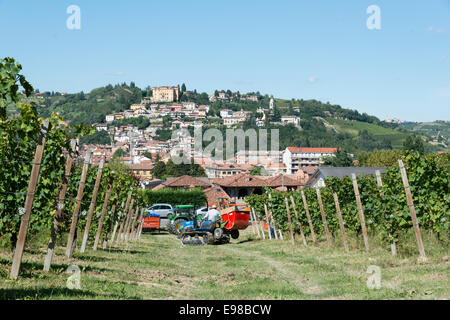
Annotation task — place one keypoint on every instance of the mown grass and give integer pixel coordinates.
(159, 267)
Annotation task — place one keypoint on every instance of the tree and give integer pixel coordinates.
(341, 159)
(276, 116)
(99, 137)
(256, 171)
(380, 158)
(414, 144)
(147, 155)
(159, 170)
(119, 153)
(183, 88)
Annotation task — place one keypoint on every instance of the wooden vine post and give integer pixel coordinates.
(289, 221)
(360, 211)
(102, 217)
(308, 216)
(412, 210)
(254, 219)
(341, 221)
(380, 184)
(271, 218)
(92, 206)
(73, 226)
(116, 224)
(141, 225)
(20, 244)
(106, 238)
(123, 215)
(298, 221)
(267, 221)
(324, 218)
(131, 224)
(260, 225)
(59, 210)
(136, 225)
(127, 222)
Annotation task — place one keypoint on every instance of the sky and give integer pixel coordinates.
(297, 49)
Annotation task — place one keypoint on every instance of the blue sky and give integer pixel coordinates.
(290, 49)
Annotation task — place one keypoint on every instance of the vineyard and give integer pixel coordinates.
(48, 190)
(45, 185)
(385, 206)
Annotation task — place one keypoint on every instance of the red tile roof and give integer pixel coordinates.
(186, 181)
(312, 150)
(286, 181)
(214, 193)
(241, 180)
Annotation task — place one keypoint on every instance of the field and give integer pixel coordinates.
(353, 127)
(159, 267)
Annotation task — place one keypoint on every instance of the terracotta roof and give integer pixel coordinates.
(159, 187)
(214, 193)
(144, 165)
(241, 180)
(312, 150)
(186, 181)
(287, 181)
(309, 170)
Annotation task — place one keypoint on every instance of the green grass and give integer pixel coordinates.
(353, 127)
(159, 267)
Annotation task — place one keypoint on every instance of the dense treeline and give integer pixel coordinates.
(163, 170)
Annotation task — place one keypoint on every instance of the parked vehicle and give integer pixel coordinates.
(152, 222)
(164, 210)
(202, 211)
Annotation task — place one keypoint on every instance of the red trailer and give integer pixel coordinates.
(151, 222)
(237, 218)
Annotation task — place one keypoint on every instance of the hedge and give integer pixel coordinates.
(175, 197)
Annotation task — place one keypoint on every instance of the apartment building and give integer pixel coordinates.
(295, 158)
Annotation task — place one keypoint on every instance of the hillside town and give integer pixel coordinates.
(282, 170)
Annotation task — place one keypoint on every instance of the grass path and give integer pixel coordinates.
(159, 267)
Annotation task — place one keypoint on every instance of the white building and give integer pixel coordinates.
(226, 113)
(291, 120)
(296, 158)
(109, 118)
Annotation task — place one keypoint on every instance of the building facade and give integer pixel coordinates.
(165, 94)
(295, 158)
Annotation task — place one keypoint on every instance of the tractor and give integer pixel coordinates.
(198, 232)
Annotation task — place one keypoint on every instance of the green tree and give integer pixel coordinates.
(119, 153)
(414, 144)
(341, 159)
(256, 171)
(380, 158)
(159, 170)
(276, 116)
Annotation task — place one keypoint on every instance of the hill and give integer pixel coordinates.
(323, 124)
(439, 131)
